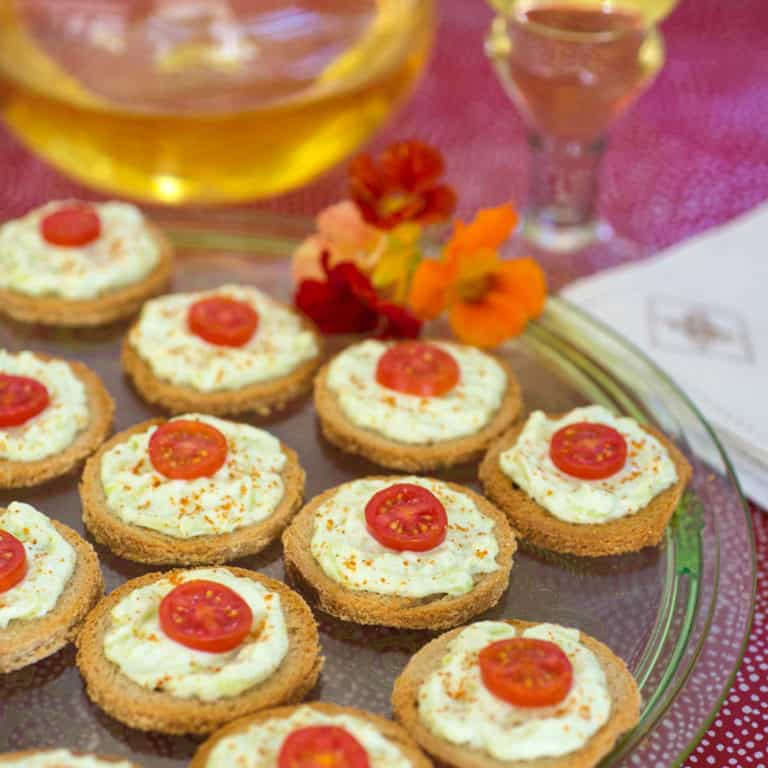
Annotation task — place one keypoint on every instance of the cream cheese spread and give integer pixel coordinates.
(55, 428)
(279, 346)
(245, 490)
(260, 744)
(136, 643)
(647, 471)
(51, 561)
(351, 556)
(455, 705)
(463, 410)
(124, 253)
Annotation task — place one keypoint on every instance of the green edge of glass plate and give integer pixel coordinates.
(684, 546)
(686, 524)
(684, 533)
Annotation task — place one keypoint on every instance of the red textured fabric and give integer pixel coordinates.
(691, 154)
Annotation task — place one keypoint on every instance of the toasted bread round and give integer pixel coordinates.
(138, 707)
(433, 612)
(22, 474)
(23, 642)
(539, 527)
(107, 308)
(261, 398)
(392, 731)
(20, 757)
(350, 438)
(145, 545)
(625, 710)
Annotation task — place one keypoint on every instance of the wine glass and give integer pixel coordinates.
(205, 101)
(572, 67)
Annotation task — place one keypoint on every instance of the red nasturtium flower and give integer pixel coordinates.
(401, 185)
(347, 302)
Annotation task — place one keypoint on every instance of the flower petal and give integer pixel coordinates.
(343, 303)
(334, 311)
(364, 177)
(489, 230)
(439, 204)
(476, 265)
(305, 263)
(344, 228)
(398, 322)
(399, 256)
(412, 165)
(429, 289)
(489, 322)
(400, 185)
(524, 282)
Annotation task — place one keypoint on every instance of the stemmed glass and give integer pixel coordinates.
(572, 67)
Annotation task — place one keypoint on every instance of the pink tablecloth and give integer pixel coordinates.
(691, 154)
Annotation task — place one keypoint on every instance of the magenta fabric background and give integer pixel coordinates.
(692, 153)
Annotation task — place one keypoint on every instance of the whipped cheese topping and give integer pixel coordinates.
(63, 758)
(162, 338)
(260, 744)
(124, 253)
(464, 410)
(647, 472)
(244, 491)
(349, 554)
(145, 654)
(54, 428)
(51, 562)
(455, 704)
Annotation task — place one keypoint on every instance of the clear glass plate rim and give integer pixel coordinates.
(567, 306)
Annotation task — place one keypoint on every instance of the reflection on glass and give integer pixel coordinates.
(205, 100)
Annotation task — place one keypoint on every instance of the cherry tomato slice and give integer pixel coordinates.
(406, 517)
(588, 451)
(322, 746)
(417, 368)
(184, 449)
(223, 321)
(526, 672)
(71, 225)
(205, 616)
(13, 561)
(21, 398)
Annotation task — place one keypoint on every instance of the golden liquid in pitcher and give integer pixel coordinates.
(187, 125)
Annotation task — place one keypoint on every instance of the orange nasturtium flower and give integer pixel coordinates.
(401, 185)
(488, 299)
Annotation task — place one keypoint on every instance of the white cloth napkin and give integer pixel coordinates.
(700, 311)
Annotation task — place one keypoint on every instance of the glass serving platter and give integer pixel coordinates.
(678, 614)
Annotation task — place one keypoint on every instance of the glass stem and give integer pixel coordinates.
(561, 214)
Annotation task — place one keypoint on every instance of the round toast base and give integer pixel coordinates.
(362, 607)
(625, 710)
(262, 398)
(23, 474)
(392, 731)
(102, 310)
(24, 642)
(16, 757)
(350, 438)
(539, 527)
(144, 545)
(149, 710)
